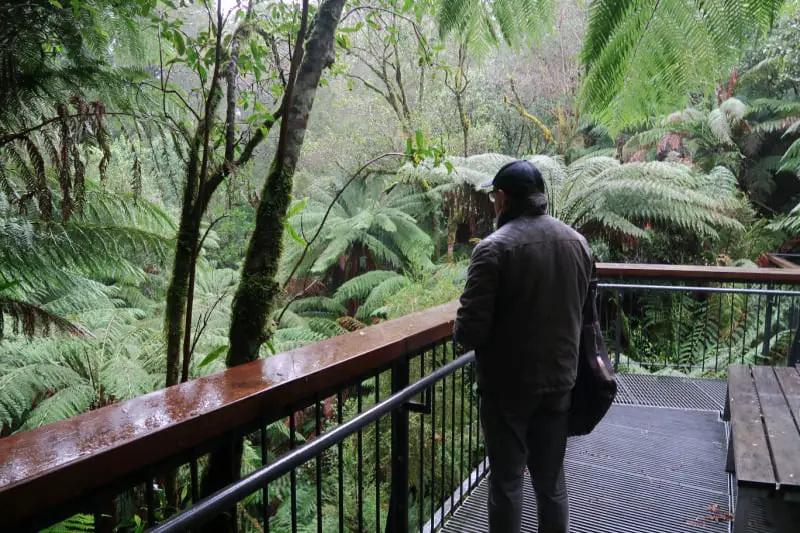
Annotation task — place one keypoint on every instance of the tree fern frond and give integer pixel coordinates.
(643, 58)
(484, 23)
(379, 296)
(65, 403)
(360, 287)
(80, 523)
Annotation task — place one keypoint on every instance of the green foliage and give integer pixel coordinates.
(600, 192)
(373, 221)
(700, 335)
(372, 290)
(433, 287)
(741, 137)
(53, 264)
(643, 58)
(74, 524)
(43, 381)
(484, 24)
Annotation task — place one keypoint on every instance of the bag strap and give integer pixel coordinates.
(589, 304)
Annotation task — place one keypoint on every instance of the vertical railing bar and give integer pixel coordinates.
(681, 297)
(360, 446)
(265, 489)
(461, 442)
(340, 462)
(293, 473)
(195, 478)
(443, 434)
(451, 488)
(777, 322)
(318, 465)
(744, 329)
(618, 327)
(377, 457)
(433, 440)
(716, 341)
(767, 326)
(469, 445)
(730, 331)
(705, 335)
(421, 492)
(794, 349)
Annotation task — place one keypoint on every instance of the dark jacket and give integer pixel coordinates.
(521, 308)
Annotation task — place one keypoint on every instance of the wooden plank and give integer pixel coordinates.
(751, 451)
(782, 432)
(789, 379)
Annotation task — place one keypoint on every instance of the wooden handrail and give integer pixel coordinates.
(48, 466)
(626, 271)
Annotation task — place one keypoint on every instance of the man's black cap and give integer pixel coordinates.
(518, 178)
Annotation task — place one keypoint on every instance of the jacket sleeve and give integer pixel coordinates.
(474, 317)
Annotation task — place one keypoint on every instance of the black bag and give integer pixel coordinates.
(595, 386)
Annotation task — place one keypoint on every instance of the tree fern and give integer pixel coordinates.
(361, 286)
(369, 221)
(644, 57)
(52, 264)
(734, 135)
(600, 191)
(45, 380)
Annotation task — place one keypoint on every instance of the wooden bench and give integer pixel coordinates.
(763, 406)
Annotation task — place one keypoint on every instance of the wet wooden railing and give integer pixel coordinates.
(54, 470)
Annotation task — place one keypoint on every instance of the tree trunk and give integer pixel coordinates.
(465, 124)
(177, 292)
(254, 301)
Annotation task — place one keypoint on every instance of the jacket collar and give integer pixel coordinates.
(533, 206)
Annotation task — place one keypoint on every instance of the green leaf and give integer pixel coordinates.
(294, 235)
(419, 10)
(294, 211)
(420, 140)
(56, 3)
(213, 355)
(352, 29)
(449, 166)
(7, 285)
(407, 5)
(180, 44)
(409, 146)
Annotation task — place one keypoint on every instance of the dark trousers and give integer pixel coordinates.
(532, 433)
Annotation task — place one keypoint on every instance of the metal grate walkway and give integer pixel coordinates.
(656, 463)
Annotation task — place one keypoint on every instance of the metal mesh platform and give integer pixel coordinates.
(669, 391)
(656, 463)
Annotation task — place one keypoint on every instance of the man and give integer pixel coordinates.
(521, 313)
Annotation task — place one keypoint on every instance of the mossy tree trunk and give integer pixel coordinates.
(255, 297)
(254, 301)
(205, 172)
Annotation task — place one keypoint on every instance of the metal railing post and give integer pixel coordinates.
(618, 325)
(794, 353)
(794, 349)
(768, 326)
(397, 521)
